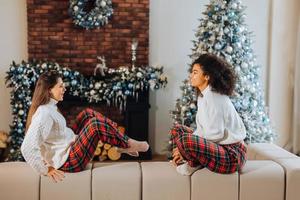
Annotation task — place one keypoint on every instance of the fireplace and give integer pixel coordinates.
(134, 117)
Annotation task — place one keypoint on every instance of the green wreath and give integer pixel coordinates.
(97, 16)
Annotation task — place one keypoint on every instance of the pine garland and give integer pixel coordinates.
(113, 90)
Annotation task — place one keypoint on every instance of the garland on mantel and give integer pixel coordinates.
(113, 89)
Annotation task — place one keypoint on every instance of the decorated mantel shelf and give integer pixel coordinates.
(113, 89)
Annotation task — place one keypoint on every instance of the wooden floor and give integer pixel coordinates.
(158, 157)
(155, 158)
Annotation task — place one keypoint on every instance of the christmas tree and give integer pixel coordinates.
(223, 32)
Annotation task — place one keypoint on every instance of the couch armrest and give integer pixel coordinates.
(290, 163)
(292, 171)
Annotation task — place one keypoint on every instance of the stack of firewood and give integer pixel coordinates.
(106, 151)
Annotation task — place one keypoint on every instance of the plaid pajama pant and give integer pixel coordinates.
(91, 126)
(198, 151)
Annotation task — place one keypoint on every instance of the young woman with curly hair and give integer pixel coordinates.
(217, 143)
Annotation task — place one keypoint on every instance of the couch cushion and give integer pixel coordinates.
(254, 148)
(116, 180)
(274, 154)
(18, 181)
(267, 151)
(210, 185)
(161, 181)
(75, 186)
(262, 180)
(292, 168)
(263, 146)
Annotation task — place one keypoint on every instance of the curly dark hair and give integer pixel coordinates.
(222, 77)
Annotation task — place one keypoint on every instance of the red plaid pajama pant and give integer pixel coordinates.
(91, 126)
(198, 151)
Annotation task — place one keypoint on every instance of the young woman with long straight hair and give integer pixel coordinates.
(51, 148)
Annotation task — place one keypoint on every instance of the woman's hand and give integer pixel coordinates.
(177, 157)
(55, 175)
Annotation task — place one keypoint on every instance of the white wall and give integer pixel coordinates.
(171, 30)
(172, 27)
(282, 65)
(13, 46)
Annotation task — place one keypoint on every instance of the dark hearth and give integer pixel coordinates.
(134, 118)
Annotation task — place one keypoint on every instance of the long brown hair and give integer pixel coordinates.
(41, 93)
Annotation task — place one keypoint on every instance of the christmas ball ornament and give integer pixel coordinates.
(139, 75)
(97, 86)
(153, 75)
(188, 114)
(66, 74)
(234, 6)
(92, 92)
(127, 92)
(193, 106)
(229, 49)
(218, 46)
(244, 65)
(103, 3)
(73, 82)
(226, 30)
(130, 85)
(209, 24)
(21, 112)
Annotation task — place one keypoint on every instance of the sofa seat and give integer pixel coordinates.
(18, 181)
(117, 180)
(277, 177)
(161, 181)
(75, 186)
(262, 179)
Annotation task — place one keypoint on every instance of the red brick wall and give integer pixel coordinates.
(53, 36)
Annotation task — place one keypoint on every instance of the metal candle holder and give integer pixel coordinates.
(134, 45)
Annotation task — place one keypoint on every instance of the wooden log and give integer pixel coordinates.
(97, 152)
(107, 146)
(113, 154)
(104, 152)
(100, 143)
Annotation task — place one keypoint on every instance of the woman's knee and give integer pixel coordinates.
(176, 131)
(85, 111)
(88, 110)
(93, 121)
(185, 141)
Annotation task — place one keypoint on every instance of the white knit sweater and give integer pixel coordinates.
(47, 141)
(217, 120)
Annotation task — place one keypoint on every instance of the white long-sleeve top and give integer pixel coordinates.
(217, 120)
(47, 141)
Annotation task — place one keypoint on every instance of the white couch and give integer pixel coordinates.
(271, 173)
